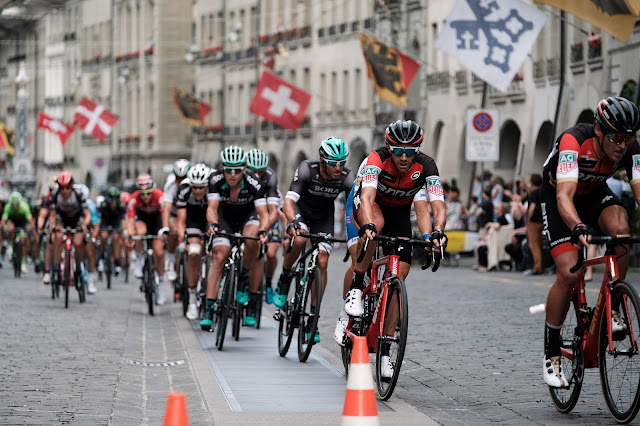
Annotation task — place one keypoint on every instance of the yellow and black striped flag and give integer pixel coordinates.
(193, 111)
(7, 139)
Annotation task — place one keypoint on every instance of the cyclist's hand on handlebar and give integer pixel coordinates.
(368, 231)
(293, 228)
(163, 231)
(212, 229)
(439, 239)
(580, 236)
(264, 236)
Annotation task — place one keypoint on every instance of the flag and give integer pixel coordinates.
(279, 101)
(59, 127)
(391, 71)
(192, 110)
(617, 17)
(491, 38)
(7, 139)
(94, 119)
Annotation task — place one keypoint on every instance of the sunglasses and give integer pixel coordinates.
(145, 191)
(620, 139)
(231, 170)
(410, 152)
(198, 187)
(65, 187)
(333, 163)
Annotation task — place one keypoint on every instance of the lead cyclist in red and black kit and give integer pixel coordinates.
(392, 179)
(575, 196)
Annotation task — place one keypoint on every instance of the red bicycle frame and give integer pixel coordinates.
(68, 251)
(591, 326)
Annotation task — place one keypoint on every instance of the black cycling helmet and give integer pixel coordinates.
(617, 115)
(404, 133)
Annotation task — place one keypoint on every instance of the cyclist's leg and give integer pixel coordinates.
(140, 229)
(221, 250)
(194, 258)
(282, 289)
(247, 281)
(170, 251)
(116, 241)
(275, 239)
(90, 254)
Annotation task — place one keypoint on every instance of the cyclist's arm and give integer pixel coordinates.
(565, 192)
(423, 218)
(42, 215)
(212, 209)
(263, 214)
(439, 214)
(181, 223)
(635, 188)
(166, 213)
(367, 198)
(87, 217)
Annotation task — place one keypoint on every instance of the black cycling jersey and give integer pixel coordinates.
(250, 196)
(196, 210)
(111, 216)
(269, 181)
(315, 195)
(69, 207)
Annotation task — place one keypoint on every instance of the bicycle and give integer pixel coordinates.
(70, 273)
(183, 283)
(107, 256)
(297, 311)
(226, 305)
(126, 258)
(18, 233)
(605, 337)
(148, 270)
(384, 297)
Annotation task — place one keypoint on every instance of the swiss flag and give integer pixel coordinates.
(280, 101)
(59, 127)
(94, 119)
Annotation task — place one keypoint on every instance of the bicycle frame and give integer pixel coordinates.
(591, 323)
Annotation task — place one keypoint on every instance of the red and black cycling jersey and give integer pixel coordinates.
(574, 159)
(137, 207)
(396, 189)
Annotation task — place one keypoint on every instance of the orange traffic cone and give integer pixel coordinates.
(176, 414)
(360, 406)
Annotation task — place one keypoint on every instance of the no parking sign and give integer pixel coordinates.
(482, 135)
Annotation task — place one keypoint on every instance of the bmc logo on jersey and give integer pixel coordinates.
(434, 187)
(415, 175)
(567, 162)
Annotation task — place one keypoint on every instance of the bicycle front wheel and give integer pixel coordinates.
(309, 320)
(223, 308)
(261, 293)
(184, 284)
(149, 284)
(393, 340)
(108, 265)
(66, 282)
(620, 367)
(288, 320)
(17, 258)
(572, 360)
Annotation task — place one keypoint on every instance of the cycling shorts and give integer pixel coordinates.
(116, 225)
(233, 225)
(152, 220)
(397, 223)
(20, 222)
(196, 222)
(589, 207)
(321, 226)
(69, 221)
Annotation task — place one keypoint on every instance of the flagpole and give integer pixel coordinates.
(562, 73)
(483, 103)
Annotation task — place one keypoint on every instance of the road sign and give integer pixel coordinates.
(483, 135)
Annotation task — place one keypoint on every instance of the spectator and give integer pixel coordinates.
(497, 190)
(456, 211)
(485, 210)
(472, 219)
(482, 249)
(534, 225)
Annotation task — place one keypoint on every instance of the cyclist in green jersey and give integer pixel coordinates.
(16, 214)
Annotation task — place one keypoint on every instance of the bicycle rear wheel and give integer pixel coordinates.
(572, 360)
(288, 320)
(397, 309)
(149, 284)
(125, 264)
(223, 308)
(261, 293)
(17, 258)
(108, 264)
(309, 322)
(620, 368)
(66, 281)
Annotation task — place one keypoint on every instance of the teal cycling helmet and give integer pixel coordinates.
(334, 149)
(15, 198)
(233, 156)
(257, 160)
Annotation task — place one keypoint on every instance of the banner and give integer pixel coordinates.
(59, 127)
(616, 17)
(94, 119)
(279, 101)
(491, 38)
(391, 71)
(191, 109)
(7, 139)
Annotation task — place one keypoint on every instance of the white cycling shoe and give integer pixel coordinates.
(616, 323)
(386, 369)
(353, 304)
(552, 373)
(192, 311)
(341, 327)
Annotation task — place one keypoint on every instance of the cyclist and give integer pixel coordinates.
(257, 161)
(192, 206)
(112, 213)
(68, 208)
(90, 248)
(169, 213)
(236, 204)
(18, 213)
(393, 177)
(41, 225)
(309, 207)
(576, 201)
(144, 217)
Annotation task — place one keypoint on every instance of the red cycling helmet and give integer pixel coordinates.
(144, 181)
(65, 178)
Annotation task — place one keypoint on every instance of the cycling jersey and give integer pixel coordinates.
(250, 196)
(314, 195)
(67, 207)
(19, 216)
(93, 210)
(270, 182)
(171, 192)
(196, 210)
(574, 159)
(395, 189)
(136, 207)
(111, 216)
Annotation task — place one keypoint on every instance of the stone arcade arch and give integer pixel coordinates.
(437, 136)
(357, 152)
(586, 116)
(273, 162)
(509, 144)
(544, 143)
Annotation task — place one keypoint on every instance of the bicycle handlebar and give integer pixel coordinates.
(236, 236)
(316, 238)
(145, 237)
(603, 239)
(395, 241)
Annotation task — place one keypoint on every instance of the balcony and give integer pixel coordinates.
(460, 79)
(594, 55)
(539, 71)
(438, 80)
(553, 69)
(515, 91)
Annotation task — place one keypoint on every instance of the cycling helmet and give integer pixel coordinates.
(257, 160)
(144, 181)
(181, 167)
(113, 192)
(233, 156)
(83, 189)
(124, 197)
(99, 200)
(198, 175)
(15, 198)
(334, 149)
(52, 183)
(404, 133)
(617, 115)
(64, 178)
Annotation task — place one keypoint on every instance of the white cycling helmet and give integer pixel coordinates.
(181, 167)
(198, 175)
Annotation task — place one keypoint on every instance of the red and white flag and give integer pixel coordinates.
(94, 119)
(280, 101)
(54, 125)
